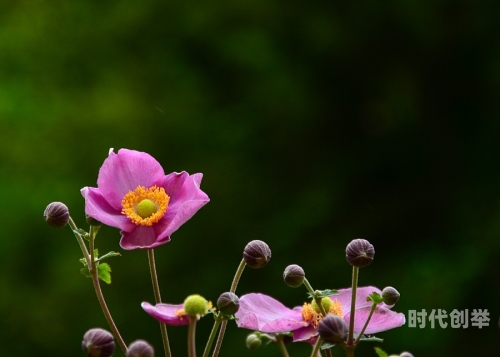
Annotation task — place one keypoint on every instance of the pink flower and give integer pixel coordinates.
(172, 315)
(134, 194)
(263, 313)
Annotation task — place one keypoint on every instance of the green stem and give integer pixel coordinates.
(372, 309)
(212, 336)
(191, 336)
(222, 330)
(95, 281)
(281, 345)
(355, 271)
(156, 289)
(315, 350)
(316, 299)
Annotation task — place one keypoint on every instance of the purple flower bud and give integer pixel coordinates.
(359, 253)
(140, 348)
(294, 276)
(333, 329)
(257, 254)
(56, 214)
(253, 341)
(390, 295)
(228, 303)
(98, 343)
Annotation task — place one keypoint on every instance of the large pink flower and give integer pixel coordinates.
(134, 194)
(263, 313)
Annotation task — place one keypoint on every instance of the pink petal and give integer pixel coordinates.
(263, 313)
(306, 334)
(142, 237)
(98, 208)
(123, 172)
(344, 297)
(166, 313)
(382, 320)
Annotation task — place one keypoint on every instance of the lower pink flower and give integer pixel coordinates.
(263, 313)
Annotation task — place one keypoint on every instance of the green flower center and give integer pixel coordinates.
(146, 208)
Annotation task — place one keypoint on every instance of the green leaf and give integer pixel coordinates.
(380, 353)
(327, 346)
(85, 271)
(108, 255)
(375, 297)
(371, 339)
(103, 272)
(323, 293)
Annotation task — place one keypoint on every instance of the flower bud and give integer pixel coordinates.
(228, 303)
(98, 343)
(390, 295)
(359, 253)
(92, 221)
(140, 348)
(405, 354)
(253, 341)
(294, 276)
(195, 305)
(333, 329)
(256, 254)
(56, 214)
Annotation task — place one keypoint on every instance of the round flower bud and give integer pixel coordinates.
(405, 354)
(359, 253)
(257, 254)
(98, 343)
(333, 329)
(390, 295)
(195, 305)
(56, 214)
(294, 276)
(140, 348)
(253, 341)
(228, 303)
(92, 221)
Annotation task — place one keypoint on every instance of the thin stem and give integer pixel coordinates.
(315, 350)
(355, 271)
(156, 290)
(95, 281)
(316, 299)
(191, 336)
(212, 336)
(222, 330)
(281, 345)
(237, 276)
(328, 353)
(372, 309)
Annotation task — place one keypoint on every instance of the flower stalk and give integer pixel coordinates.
(156, 290)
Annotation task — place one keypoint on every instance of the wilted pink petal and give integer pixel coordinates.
(166, 313)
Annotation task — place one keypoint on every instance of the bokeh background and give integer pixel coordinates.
(314, 123)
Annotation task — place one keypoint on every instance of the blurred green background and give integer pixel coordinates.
(314, 123)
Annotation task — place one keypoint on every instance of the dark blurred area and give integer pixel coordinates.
(314, 123)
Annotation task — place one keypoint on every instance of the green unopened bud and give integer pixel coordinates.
(253, 341)
(56, 214)
(256, 254)
(98, 343)
(390, 295)
(195, 305)
(92, 221)
(326, 302)
(359, 253)
(228, 303)
(140, 348)
(333, 329)
(294, 276)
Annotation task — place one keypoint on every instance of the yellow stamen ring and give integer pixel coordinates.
(145, 206)
(314, 317)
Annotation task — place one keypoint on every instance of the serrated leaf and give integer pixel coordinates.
(380, 352)
(322, 293)
(85, 271)
(104, 272)
(375, 297)
(109, 255)
(81, 233)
